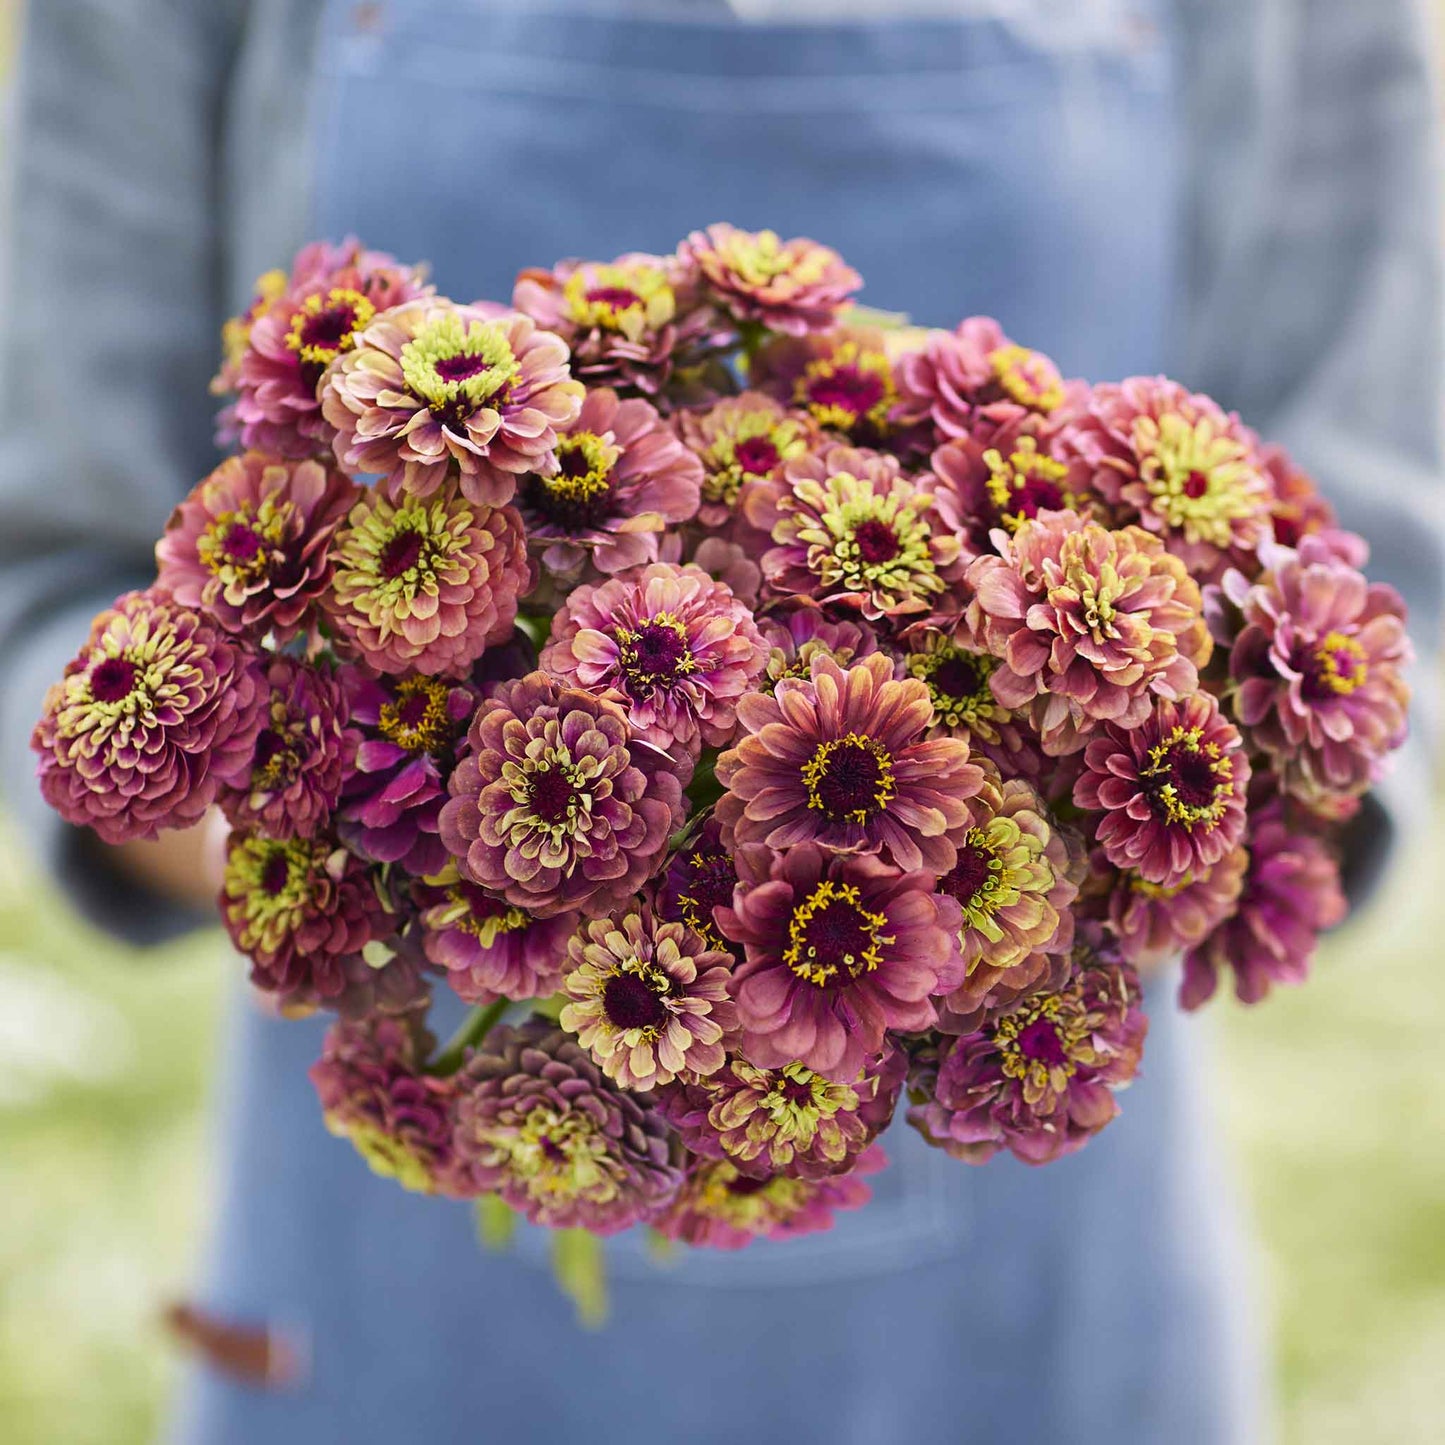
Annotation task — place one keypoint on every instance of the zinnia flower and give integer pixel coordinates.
(700, 878)
(490, 948)
(1038, 1081)
(675, 648)
(155, 713)
(539, 1124)
(647, 999)
(251, 545)
(1291, 895)
(1014, 882)
(784, 1121)
(426, 584)
(1172, 790)
(796, 636)
(631, 322)
(849, 529)
(790, 286)
(1097, 623)
(300, 754)
(1180, 466)
(374, 1092)
(299, 909)
(842, 381)
(622, 478)
(741, 439)
(1153, 922)
(842, 760)
(719, 1207)
(408, 729)
(555, 806)
(1319, 670)
(1297, 510)
(838, 950)
(434, 392)
(974, 381)
(333, 294)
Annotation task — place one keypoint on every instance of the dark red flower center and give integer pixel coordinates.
(968, 874)
(1192, 774)
(480, 904)
(757, 456)
(957, 676)
(1195, 485)
(400, 554)
(113, 680)
(329, 327)
(553, 1150)
(630, 1004)
(797, 1091)
(274, 874)
(1039, 1041)
(659, 651)
(849, 779)
(876, 540)
(552, 796)
(411, 710)
(849, 388)
(241, 544)
(269, 743)
(1037, 494)
(837, 936)
(617, 297)
(460, 367)
(744, 1186)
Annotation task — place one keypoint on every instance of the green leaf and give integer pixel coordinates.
(496, 1222)
(581, 1274)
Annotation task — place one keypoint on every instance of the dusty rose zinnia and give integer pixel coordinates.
(1040, 1080)
(490, 948)
(1291, 894)
(784, 1121)
(973, 381)
(555, 805)
(837, 950)
(374, 1093)
(842, 759)
(250, 546)
(1319, 669)
(333, 294)
(675, 648)
(842, 381)
(539, 1124)
(700, 878)
(1014, 882)
(622, 478)
(741, 439)
(848, 528)
(798, 634)
(647, 999)
(300, 754)
(1096, 623)
(426, 584)
(155, 713)
(1153, 922)
(719, 1207)
(628, 323)
(298, 909)
(1172, 790)
(434, 392)
(790, 286)
(1179, 465)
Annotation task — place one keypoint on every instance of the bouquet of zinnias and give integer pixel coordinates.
(751, 706)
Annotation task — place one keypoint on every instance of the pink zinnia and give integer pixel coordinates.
(155, 714)
(1291, 895)
(1172, 790)
(622, 479)
(434, 392)
(796, 635)
(837, 951)
(842, 760)
(842, 381)
(1319, 670)
(251, 545)
(1153, 922)
(677, 649)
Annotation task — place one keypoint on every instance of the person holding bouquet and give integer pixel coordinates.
(1242, 196)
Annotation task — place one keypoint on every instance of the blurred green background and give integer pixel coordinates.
(1331, 1095)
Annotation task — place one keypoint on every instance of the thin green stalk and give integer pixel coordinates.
(475, 1027)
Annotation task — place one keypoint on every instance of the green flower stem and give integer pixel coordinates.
(475, 1027)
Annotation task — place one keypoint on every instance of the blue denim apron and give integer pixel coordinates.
(963, 166)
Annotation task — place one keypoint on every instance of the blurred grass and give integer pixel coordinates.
(1331, 1094)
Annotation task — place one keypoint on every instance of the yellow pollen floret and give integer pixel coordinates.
(802, 956)
(1007, 476)
(339, 298)
(452, 365)
(815, 773)
(1162, 760)
(1342, 663)
(1028, 377)
(594, 298)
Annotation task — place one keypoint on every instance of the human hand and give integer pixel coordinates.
(184, 867)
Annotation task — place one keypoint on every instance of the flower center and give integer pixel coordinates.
(400, 554)
(554, 1153)
(277, 758)
(552, 796)
(756, 456)
(325, 326)
(630, 1004)
(458, 368)
(876, 541)
(1340, 666)
(417, 720)
(958, 687)
(275, 874)
(657, 653)
(1201, 480)
(479, 914)
(711, 881)
(113, 680)
(626, 299)
(832, 938)
(1188, 781)
(1043, 1043)
(848, 390)
(753, 444)
(849, 779)
(1040, 1040)
(974, 871)
(1028, 377)
(1026, 483)
(242, 546)
(578, 495)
